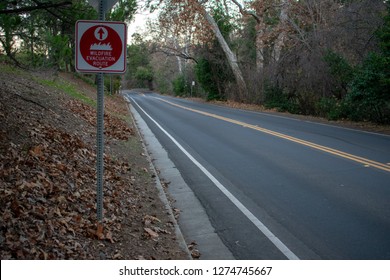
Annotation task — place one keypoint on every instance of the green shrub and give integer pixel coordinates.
(332, 108)
(341, 71)
(112, 84)
(205, 77)
(305, 103)
(367, 86)
(179, 85)
(144, 77)
(162, 84)
(276, 98)
(369, 95)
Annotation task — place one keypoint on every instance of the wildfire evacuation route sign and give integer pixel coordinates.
(100, 46)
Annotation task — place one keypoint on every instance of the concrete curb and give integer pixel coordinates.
(194, 223)
(179, 236)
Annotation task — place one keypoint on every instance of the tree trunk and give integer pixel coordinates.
(7, 45)
(279, 43)
(259, 47)
(179, 62)
(260, 29)
(231, 57)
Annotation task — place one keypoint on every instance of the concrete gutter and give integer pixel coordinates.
(194, 225)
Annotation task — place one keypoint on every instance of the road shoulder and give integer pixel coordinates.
(193, 221)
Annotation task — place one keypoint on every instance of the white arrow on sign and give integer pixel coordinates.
(108, 4)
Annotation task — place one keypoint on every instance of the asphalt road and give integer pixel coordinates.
(276, 187)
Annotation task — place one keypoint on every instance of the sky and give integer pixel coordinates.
(138, 25)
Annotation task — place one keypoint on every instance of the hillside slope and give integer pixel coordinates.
(48, 180)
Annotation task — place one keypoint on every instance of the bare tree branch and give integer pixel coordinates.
(245, 12)
(169, 51)
(47, 9)
(39, 6)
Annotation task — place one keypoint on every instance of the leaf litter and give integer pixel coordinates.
(48, 180)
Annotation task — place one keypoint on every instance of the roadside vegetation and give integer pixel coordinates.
(68, 88)
(327, 58)
(48, 177)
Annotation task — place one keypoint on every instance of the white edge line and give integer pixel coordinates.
(276, 241)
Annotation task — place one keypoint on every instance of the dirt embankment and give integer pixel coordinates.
(48, 179)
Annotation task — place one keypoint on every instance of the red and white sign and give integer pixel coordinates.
(100, 46)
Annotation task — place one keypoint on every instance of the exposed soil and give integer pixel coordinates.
(48, 177)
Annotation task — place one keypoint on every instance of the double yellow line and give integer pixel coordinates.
(364, 161)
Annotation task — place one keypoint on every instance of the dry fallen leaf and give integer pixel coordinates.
(160, 230)
(99, 231)
(36, 151)
(192, 245)
(195, 254)
(151, 220)
(117, 256)
(109, 237)
(151, 233)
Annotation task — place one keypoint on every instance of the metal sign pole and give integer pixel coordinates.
(89, 34)
(100, 131)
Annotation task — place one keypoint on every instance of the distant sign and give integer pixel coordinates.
(100, 46)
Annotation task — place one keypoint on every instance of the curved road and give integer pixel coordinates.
(275, 187)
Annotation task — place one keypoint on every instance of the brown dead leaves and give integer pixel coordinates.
(47, 197)
(114, 127)
(153, 227)
(48, 180)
